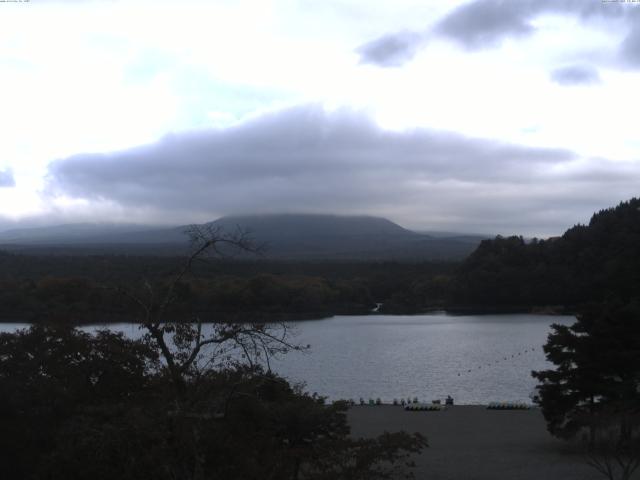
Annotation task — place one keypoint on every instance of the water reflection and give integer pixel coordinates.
(475, 359)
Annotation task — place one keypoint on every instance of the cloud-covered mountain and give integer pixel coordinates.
(285, 236)
(309, 160)
(363, 237)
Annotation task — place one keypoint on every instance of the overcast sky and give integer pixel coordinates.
(487, 116)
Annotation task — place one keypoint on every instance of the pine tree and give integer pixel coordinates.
(594, 391)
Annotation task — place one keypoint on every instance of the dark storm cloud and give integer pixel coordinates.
(392, 50)
(6, 179)
(486, 23)
(306, 160)
(576, 75)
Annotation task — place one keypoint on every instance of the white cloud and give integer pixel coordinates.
(105, 76)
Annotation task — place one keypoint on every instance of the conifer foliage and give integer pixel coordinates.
(594, 391)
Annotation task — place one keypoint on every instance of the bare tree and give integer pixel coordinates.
(192, 347)
(185, 346)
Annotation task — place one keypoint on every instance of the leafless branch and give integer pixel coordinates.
(181, 358)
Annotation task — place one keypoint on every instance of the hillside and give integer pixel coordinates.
(286, 236)
(85, 233)
(348, 237)
(588, 263)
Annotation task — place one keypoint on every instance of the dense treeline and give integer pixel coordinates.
(79, 300)
(87, 289)
(588, 263)
(591, 262)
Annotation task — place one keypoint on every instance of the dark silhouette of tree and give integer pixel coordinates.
(614, 449)
(77, 406)
(188, 350)
(191, 400)
(588, 263)
(179, 337)
(49, 375)
(595, 388)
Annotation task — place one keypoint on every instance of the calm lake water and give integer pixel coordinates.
(475, 359)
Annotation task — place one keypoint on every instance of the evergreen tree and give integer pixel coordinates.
(595, 387)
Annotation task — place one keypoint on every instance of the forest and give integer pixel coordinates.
(587, 263)
(85, 289)
(76, 405)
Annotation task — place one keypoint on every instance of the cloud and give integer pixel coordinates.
(6, 178)
(630, 47)
(392, 50)
(483, 24)
(576, 75)
(307, 160)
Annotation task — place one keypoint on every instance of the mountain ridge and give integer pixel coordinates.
(288, 235)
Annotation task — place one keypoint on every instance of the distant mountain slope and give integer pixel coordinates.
(84, 233)
(310, 226)
(318, 236)
(293, 236)
(588, 263)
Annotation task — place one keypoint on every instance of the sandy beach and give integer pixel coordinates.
(473, 443)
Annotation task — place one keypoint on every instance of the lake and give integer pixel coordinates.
(474, 358)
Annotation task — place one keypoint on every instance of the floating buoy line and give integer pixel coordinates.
(415, 405)
(505, 358)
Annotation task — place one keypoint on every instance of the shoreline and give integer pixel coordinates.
(242, 317)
